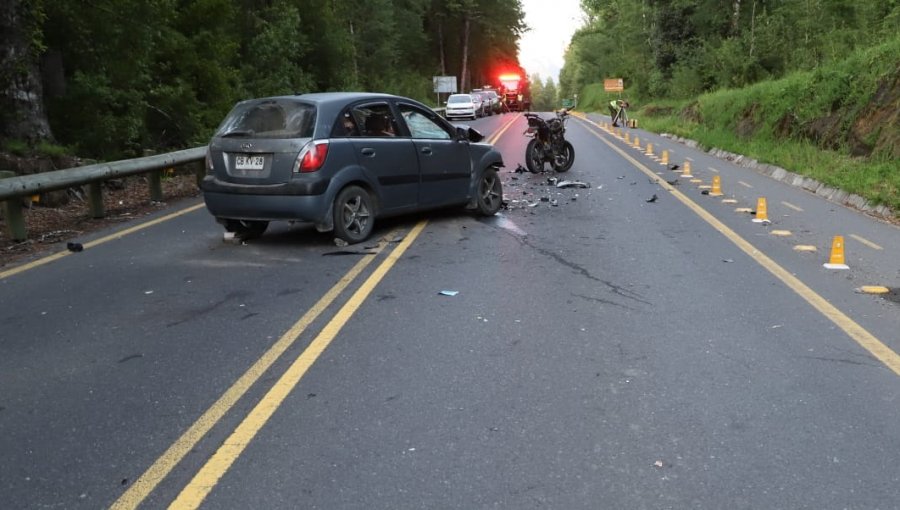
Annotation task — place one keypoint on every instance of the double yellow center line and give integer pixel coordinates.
(212, 471)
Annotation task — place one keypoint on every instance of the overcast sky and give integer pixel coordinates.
(552, 24)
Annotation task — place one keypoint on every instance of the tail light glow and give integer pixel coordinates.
(312, 156)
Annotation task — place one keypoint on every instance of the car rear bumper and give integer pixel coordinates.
(292, 201)
(460, 114)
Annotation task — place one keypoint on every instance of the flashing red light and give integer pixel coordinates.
(510, 77)
(312, 157)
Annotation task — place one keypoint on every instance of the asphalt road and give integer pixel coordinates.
(601, 351)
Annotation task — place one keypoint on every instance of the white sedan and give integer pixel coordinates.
(461, 106)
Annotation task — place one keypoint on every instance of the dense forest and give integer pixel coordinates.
(108, 78)
(681, 48)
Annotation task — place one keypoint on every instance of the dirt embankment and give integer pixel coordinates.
(872, 129)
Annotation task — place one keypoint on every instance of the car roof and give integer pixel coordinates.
(330, 104)
(331, 98)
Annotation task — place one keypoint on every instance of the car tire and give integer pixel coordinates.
(246, 229)
(490, 193)
(354, 216)
(533, 161)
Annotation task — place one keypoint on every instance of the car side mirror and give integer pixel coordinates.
(468, 133)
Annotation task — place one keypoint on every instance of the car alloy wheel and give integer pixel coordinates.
(353, 218)
(490, 193)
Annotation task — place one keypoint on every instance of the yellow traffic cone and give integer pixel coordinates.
(762, 215)
(649, 149)
(687, 170)
(627, 139)
(637, 143)
(836, 261)
(665, 158)
(716, 190)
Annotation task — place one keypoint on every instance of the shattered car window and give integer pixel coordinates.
(269, 118)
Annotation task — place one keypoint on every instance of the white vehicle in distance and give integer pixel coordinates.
(460, 106)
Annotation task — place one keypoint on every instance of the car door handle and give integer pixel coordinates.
(368, 152)
(426, 151)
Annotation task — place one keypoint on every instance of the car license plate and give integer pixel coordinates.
(249, 162)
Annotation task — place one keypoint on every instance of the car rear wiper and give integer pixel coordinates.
(238, 132)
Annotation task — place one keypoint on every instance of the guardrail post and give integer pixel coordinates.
(156, 193)
(95, 199)
(154, 180)
(12, 211)
(199, 171)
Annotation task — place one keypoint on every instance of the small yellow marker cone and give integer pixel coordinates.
(627, 139)
(762, 214)
(716, 190)
(649, 149)
(687, 169)
(665, 158)
(637, 143)
(619, 133)
(836, 261)
(873, 289)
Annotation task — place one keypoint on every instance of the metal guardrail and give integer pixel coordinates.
(12, 189)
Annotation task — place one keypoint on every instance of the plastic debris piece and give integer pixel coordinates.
(572, 184)
(75, 247)
(450, 293)
(652, 199)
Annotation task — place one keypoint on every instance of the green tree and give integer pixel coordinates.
(22, 113)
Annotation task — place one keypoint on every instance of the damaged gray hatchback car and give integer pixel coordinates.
(341, 160)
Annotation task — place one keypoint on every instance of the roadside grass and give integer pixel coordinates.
(773, 122)
(22, 148)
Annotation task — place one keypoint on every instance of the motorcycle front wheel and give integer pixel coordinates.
(564, 161)
(534, 158)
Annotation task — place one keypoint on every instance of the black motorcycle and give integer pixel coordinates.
(548, 143)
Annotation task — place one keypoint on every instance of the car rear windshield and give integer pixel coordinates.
(460, 99)
(269, 118)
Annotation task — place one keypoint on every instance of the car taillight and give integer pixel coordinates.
(312, 156)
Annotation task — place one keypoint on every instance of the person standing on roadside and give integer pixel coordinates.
(615, 109)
